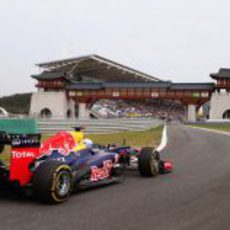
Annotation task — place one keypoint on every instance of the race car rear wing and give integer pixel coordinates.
(25, 148)
(4, 138)
(20, 140)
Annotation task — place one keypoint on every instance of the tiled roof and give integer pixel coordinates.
(222, 73)
(49, 75)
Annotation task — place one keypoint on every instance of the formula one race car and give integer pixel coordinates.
(63, 163)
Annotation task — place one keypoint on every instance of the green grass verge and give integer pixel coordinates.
(139, 139)
(5, 156)
(219, 127)
(149, 137)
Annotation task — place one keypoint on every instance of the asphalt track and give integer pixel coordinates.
(195, 196)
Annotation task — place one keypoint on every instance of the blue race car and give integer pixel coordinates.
(63, 163)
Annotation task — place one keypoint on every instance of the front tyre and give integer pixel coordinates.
(52, 182)
(148, 162)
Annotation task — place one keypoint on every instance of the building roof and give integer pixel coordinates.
(99, 68)
(102, 85)
(157, 85)
(49, 75)
(192, 86)
(222, 73)
(74, 86)
(137, 85)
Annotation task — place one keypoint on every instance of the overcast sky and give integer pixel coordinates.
(180, 40)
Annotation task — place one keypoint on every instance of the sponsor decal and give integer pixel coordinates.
(116, 94)
(79, 94)
(204, 94)
(196, 94)
(63, 150)
(19, 155)
(101, 173)
(16, 142)
(24, 141)
(154, 94)
(72, 94)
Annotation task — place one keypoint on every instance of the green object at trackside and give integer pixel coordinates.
(18, 126)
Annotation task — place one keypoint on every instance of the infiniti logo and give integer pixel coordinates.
(27, 142)
(16, 142)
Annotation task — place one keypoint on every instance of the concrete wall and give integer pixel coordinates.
(220, 102)
(56, 102)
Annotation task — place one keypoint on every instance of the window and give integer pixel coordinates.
(226, 114)
(46, 113)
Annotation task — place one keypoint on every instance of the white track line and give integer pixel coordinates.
(210, 130)
(164, 140)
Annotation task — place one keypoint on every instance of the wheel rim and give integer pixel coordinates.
(154, 165)
(63, 183)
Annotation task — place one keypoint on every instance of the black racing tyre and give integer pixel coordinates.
(1, 148)
(52, 182)
(148, 162)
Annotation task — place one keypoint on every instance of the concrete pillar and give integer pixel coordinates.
(83, 112)
(191, 113)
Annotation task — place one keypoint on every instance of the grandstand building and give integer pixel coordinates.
(67, 87)
(220, 100)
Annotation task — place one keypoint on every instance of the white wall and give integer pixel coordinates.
(56, 102)
(220, 102)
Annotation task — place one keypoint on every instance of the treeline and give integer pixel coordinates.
(17, 103)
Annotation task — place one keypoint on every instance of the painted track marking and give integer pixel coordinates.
(164, 140)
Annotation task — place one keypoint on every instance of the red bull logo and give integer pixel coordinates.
(62, 141)
(101, 173)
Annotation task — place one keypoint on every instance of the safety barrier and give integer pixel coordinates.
(18, 126)
(98, 125)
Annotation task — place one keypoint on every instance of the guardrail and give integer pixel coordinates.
(98, 125)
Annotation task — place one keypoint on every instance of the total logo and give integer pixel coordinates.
(19, 155)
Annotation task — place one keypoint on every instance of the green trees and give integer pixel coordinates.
(17, 103)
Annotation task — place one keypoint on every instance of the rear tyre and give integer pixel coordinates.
(52, 182)
(148, 162)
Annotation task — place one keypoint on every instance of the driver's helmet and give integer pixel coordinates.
(88, 143)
